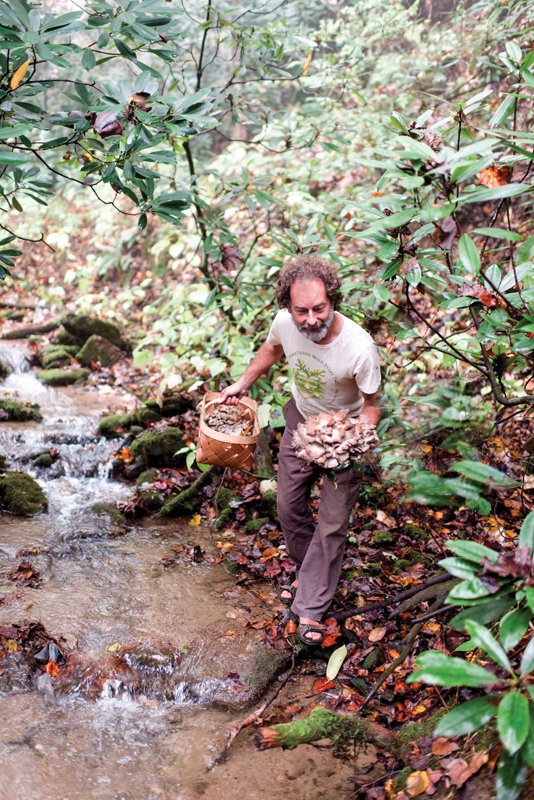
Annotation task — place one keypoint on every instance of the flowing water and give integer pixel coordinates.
(139, 716)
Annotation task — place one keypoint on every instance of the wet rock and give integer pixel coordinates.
(64, 338)
(170, 406)
(99, 350)
(81, 327)
(56, 357)
(13, 411)
(147, 476)
(45, 458)
(61, 377)
(109, 510)
(21, 494)
(114, 425)
(255, 675)
(4, 370)
(2, 461)
(159, 448)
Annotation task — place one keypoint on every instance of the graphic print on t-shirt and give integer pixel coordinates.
(310, 382)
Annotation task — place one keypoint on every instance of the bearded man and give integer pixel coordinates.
(334, 364)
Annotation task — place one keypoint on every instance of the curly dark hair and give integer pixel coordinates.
(308, 267)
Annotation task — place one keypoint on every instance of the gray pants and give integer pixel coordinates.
(317, 550)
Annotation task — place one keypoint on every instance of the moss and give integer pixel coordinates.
(82, 326)
(19, 412)
(415, 532)
(151, 500)
(224, 519)
(158, 448)
(65, 338)
(400, 779)
(371, 659)
(224, 497)
(44, 459)
(415, 731)
(97, 349)
(110, 510)
(61, 377)
(373, 567)
(148, 476)
(188, 500)
(21, 494)
(254, 525)
(114, 425)
(383, 538)
(269, 505)
(170, 406)
(55, 358)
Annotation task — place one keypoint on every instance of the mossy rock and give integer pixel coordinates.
(18, 412)
(111, 511)
(81, 327)
(224, 519)
(44, 459)
(224, 497)
(148, 476)
(2, 461)
(99, 350)
(61, 377)
(65, 339)
(4, 370)
(158, 448)
(21, 494)
(415, 532)
(56, 358)
(170, 406)
(113, 425)
(151, 500)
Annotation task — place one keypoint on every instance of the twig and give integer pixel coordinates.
(353, 612)
(405, 652)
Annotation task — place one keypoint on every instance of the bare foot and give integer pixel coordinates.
(287, 594)
(310, 631)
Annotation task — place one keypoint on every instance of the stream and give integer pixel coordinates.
(157, 650)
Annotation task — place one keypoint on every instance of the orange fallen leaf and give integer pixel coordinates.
(377, 634)
(443, 746)
(322, 685)
(52, 668)
(495, 176)
(12, 645)
(417, 783)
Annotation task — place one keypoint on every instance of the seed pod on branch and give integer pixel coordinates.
(333, 440)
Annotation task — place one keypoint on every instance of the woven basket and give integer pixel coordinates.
(224, 449)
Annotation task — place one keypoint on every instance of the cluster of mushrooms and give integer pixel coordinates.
(333, 441)
(229, 419)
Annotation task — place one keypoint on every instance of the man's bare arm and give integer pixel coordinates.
(371, 410)
(267, 355)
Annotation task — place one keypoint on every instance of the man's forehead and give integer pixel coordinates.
(308, 291)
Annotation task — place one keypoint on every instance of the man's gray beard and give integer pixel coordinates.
(320, 333)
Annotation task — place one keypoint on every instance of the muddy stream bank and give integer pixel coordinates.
(155, 664)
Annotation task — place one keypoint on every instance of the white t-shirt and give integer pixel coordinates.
(327, 377)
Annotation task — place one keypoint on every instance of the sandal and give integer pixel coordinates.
(289, 594)
(303, 630)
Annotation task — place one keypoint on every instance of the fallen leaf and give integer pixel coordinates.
(195, 520)
(377, 634)
(495, 176)
(322, 685)
(335, 662)
(112, 648)
(417, 783)
(443, 746)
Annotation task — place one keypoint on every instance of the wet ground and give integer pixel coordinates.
(150, 723)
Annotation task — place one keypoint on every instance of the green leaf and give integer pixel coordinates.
(88, 59)
(511, 774)
(482, 473)
(504, 110)
(497, 193)
(513, 721)
(441, 670)
(125, 50)
(527, 662)
(472, 551)
(485, 612)
(12, 157)
(458, 567)
(529, 596)
(468, 590)
(468, 253)
(499, 233)
(526, 535)
(514, 51)
(381, 292)
(413, 149)
(466, 718)
(513, 627)
(335, 662)
(484, 638)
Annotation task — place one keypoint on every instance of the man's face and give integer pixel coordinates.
(311, 310)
